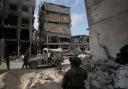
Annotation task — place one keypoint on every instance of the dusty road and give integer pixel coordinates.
(44, 78)
(13, 65)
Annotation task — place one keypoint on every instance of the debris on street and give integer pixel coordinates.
(31, 79)
(100, 73)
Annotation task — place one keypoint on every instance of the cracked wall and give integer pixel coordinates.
(109, 18)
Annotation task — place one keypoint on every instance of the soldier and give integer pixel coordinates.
(74, 77)
(26, 56)
(8, 62)
(7, 57)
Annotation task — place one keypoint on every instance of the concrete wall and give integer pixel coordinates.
(58, 18)
(57, 28)
(108, 26)
(56, 8)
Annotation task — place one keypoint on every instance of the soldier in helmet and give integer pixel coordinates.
(74, 77)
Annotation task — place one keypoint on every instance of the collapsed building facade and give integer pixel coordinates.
(81, 42)
(16, 25)
(54, 26)
(108, 27)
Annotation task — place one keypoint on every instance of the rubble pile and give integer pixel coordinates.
(31, 79)
(100, 73)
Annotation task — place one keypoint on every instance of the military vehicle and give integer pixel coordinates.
(49, 57)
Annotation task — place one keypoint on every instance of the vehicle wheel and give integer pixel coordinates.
(33, 65)
(58, 63)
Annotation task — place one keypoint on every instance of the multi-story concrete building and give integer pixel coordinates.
(108, 27)
(16, 24)
(54, 26)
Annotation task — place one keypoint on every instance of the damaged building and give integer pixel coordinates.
(81, 42)
(16, 25)
(54, 26)
(108, 27)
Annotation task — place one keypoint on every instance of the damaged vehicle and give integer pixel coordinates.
(49, 57)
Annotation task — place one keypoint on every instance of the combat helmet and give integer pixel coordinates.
(75, 60)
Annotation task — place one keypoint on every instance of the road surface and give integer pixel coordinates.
(44, 78)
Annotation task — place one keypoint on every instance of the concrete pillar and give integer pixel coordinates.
(30, 34)
(47, 39)
(19, 26)
(2, 49)
(59, 42)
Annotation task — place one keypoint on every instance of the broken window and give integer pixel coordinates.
(24, 34)
(11, 20)
(11, 48)
(25, 8)
(13, 6)
(53, 39)
(25, 21)
(10, 33)
(65, 46)
(53, 46)
(88, 40)
(64, 39)
(49, 40)
(24, 47)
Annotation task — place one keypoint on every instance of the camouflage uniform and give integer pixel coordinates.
(74, 78)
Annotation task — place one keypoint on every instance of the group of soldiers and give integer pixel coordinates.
(25, 60)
